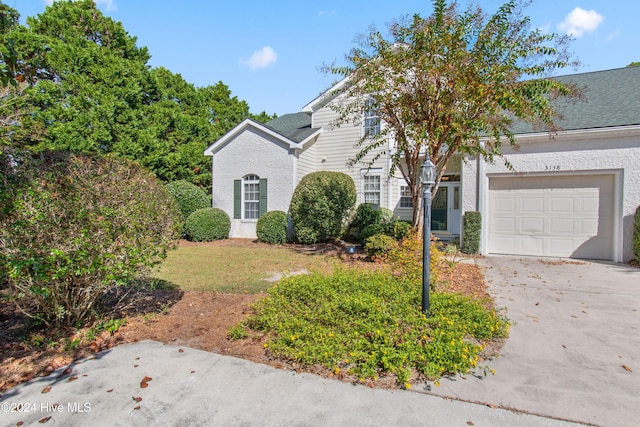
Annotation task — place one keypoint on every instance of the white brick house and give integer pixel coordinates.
(570, 196)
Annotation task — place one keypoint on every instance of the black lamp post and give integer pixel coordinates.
(427, 179)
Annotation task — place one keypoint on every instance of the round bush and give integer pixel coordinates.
(319, 205)
(73, 226)
(190, 197)
(378, 246)
(272, 227)
(207, 225)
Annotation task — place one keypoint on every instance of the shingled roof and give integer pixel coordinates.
(611, 98)
(295, 126)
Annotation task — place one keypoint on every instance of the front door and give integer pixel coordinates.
(445, 209)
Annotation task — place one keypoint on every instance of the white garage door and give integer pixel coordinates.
(558, 216)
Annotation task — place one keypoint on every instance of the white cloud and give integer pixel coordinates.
(580, 21)
(261, 58)
(327, 12)
(107, 5)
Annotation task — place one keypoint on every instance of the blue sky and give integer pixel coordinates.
(268, 52)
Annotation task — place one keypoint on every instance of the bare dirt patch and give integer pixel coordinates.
(195, 319)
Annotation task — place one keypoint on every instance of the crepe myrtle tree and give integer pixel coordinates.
(453, 82)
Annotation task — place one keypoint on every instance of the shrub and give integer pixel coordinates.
(319, 205)
(636, 235)
(386, 215)
(367, 214)
(207, 225)
(190, 198)
(406, 259)
(400, 229)
(78, 225)
(471, 227)
(378, 246)
(272, 227)
(369, 324)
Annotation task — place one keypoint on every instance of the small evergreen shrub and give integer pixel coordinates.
(472, 224)
(636, 235)
(207, 225)
(378, 246)
(320, 203)
(272, 227)
(190, 197)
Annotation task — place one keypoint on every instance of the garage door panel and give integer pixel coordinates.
(505, 225)
(564, 226)
(556, 215)
(531, 205)
(506, 205)
(563, 205)
(531, 225)
(531, 244)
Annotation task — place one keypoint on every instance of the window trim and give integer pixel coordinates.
(239, 196)
(403, 183)
(365, 173)
(247, 180)
(369, 115)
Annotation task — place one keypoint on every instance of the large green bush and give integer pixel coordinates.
(207, 225)
(72, 226)
(472, 224)
(636, 235)
(319, 205)
(190, 197)
(272, 227)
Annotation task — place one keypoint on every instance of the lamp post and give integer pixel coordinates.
(427, 179)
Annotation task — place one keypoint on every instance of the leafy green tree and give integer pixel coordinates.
(634, 64)
(443, 83)
(95, 93)
(264, 117)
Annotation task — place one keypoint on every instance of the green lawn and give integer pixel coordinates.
(232, 269)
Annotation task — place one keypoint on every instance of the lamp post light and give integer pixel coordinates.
(427, 179)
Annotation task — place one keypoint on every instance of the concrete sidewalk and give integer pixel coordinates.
(190, 387)
(574, 346)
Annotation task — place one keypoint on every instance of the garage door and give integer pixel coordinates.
(558, 216)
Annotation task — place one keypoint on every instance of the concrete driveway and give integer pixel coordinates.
(574, 347)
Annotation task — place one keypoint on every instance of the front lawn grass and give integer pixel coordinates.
(233, 269)
(369, 323)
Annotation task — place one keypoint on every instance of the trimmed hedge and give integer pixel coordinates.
(320, 204)
(207, 225)
(472, 225)
(272, 227)
(636, 235)
(190, 197)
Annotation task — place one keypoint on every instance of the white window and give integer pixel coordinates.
(405, 196)
(371, 119)
(371, 186)
(251, 196)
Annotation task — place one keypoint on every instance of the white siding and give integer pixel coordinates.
(253, 152)
(308, 162)
(338, 145)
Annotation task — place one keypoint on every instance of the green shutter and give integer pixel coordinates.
(237, 198)
(263, 196)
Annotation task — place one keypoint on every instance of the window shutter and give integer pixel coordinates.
(237, 198)
(263, 196)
